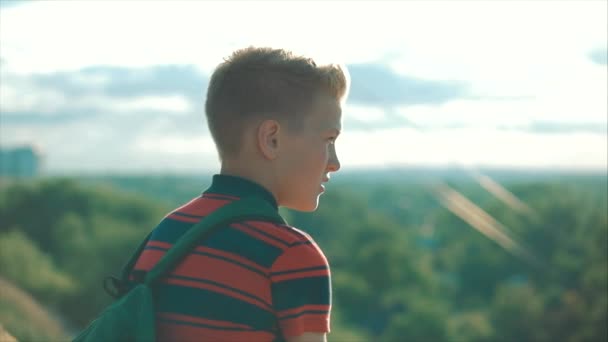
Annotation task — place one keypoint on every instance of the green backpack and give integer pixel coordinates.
(132, 316)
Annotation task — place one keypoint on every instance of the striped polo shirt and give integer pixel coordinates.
(248, 281)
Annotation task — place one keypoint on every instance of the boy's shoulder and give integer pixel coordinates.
(202, 206)
(290, 236)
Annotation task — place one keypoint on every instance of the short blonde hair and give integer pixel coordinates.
(256, 83)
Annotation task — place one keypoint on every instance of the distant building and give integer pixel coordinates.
(19, 162)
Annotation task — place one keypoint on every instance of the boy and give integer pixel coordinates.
(274, 118)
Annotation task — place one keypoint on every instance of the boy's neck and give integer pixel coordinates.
(251, 174)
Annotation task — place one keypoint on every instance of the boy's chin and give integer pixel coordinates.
(305, 206)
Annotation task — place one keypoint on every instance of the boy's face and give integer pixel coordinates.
(308, 156)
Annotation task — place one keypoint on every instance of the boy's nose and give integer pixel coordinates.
(335, 166)
(333, 163)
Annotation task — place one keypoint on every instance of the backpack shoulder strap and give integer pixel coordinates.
(244, 209)
(116, 287)
(126, 270)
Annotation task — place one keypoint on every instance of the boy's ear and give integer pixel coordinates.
(268, 138)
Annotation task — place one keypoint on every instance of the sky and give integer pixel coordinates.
(109, 86)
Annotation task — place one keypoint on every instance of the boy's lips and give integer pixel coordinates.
(325, 180)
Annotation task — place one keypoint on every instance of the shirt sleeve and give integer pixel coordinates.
(301, 290)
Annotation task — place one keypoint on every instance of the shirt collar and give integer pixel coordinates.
(239, 187)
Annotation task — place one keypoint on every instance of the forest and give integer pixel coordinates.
(415, 255)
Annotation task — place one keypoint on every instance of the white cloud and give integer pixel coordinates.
(585, 108)
(104, 144)
(90, 80)
(164, 144)
(168, 104)
(474, 113)
(23, 96)
(365, 114)
(472, 147)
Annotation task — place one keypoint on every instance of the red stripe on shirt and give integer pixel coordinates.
(300, 275)
(177, 332)
(233, 257)
(299, 309)
(302, 256)
(234, 198)
(226, 273)
(148, 259)
(258, 236)
(183, 218)
(218, 289)
(161, 244)
(306, 323)
(194, 319)
(275, 230)
(202, 206)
